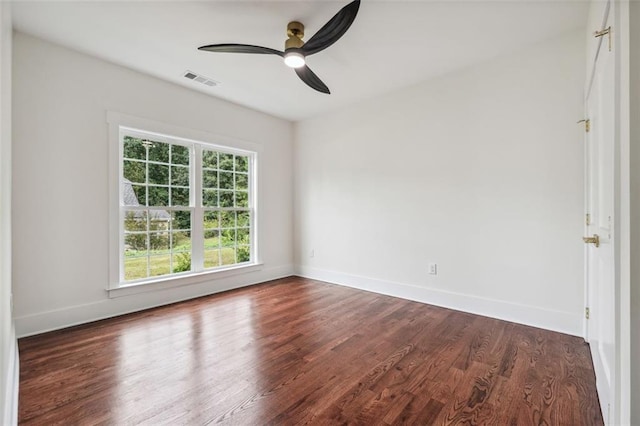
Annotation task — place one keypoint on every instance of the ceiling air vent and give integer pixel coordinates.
(200, 79)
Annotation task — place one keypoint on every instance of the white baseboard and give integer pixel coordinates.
(42, 322)
(13, 380)
(563, 322)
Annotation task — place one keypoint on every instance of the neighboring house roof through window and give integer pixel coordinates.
(130, 199)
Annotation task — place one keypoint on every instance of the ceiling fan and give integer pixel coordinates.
(296, 50)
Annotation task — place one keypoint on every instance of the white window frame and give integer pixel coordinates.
(162, 132)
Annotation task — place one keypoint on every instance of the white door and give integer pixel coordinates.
(600, 192)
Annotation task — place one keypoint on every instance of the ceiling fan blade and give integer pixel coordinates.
(240, 48)
(311, 79)
(332, 30)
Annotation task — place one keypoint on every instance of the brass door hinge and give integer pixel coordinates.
(587, 219)
(605, 32)
(587, 124)
(586, 313)
(595, 240)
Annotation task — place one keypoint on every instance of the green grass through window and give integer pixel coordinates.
(135, 262)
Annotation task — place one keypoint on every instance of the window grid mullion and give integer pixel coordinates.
(219, 226)
(170, 227)
(197, 225)
(148, 242)
(146, 177)
(253, 242)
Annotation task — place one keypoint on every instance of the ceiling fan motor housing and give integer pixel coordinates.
(295, 31)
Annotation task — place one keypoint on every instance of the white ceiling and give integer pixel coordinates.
(391, 44)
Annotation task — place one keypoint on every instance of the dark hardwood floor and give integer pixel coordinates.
(297, 351)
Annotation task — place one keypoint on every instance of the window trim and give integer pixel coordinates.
(163, 132)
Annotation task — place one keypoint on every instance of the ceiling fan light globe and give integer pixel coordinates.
(294, 59)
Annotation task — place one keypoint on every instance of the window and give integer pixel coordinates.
(185, 207)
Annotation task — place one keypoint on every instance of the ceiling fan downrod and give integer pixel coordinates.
(295, 32)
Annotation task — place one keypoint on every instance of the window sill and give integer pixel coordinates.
(164, 283)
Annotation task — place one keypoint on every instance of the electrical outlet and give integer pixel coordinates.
(433, 269)
(312, 253)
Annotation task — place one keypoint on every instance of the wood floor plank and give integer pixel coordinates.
(298, 351)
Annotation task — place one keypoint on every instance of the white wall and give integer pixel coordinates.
(60, 185)
(479, 171)
(8, 343)
(634, 49)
